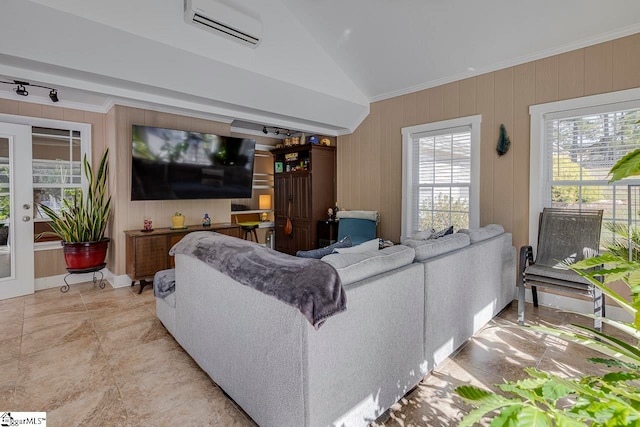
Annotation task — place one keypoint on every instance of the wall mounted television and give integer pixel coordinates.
(172, 164)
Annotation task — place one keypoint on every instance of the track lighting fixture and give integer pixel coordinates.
(22, 90)
(275, 131)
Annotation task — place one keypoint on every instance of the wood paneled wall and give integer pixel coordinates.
(369, 159)
(130, 215)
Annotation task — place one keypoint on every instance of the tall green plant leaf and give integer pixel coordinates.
(84, 219)
(627, 166)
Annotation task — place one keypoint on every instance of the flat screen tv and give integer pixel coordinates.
(174, 164)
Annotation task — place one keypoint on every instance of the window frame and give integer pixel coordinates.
(408, 175)
(539, 198)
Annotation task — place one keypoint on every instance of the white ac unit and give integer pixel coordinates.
(224, 20)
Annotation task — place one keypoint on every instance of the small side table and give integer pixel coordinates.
(327, 233)
(93, 270)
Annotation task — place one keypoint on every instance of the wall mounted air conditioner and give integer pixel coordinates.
(224, 20)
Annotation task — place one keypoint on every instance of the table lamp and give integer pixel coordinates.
(264, 203)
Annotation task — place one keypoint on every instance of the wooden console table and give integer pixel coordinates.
(148, 251)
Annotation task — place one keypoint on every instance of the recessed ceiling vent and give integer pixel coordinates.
(223, 20)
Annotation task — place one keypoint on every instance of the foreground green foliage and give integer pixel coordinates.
(85, 218)
(549, 400)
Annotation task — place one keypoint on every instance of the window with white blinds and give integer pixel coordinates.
(580, 147)
(438, 184)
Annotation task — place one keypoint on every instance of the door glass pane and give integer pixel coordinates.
(5, 209)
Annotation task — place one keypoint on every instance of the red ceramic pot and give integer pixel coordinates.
(80, 256)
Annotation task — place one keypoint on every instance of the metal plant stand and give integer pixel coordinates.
(93, 270)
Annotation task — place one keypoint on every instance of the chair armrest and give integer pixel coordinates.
(526, 259)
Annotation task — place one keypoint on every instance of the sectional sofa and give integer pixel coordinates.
(408, 308)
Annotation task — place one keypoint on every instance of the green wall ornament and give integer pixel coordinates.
(503, 142)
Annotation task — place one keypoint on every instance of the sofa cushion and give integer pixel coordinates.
(320, 252)
(370, 245)
(426, 249)
(479, 234)
(357, 266)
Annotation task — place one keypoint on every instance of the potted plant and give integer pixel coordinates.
(177, 220)
(82, 222)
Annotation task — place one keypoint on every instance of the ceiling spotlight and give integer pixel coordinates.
(264, 129)
(20, 90)
(53, 95)
(277, 131)
(288, 133)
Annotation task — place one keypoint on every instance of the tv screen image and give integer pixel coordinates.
(174, 164)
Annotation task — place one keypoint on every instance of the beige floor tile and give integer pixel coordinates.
(119, 319)
(42, 323)
(102, 407)
(124, 338)
(9, 350)
(54, 304)
(8, 380)
(56, 335)
(11, 329)
(50, 378)
(210, 408)
(143, 359)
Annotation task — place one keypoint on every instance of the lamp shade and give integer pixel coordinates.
(264, 202)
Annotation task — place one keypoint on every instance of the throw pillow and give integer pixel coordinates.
(371, 245)
(441, 233)
(320, 252)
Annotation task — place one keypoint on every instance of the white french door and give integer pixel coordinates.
(16, 211)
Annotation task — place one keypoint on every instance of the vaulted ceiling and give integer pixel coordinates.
(317, 68)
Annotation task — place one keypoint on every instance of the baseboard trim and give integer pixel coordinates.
(120, 281)
(574, 304)
(48, 282)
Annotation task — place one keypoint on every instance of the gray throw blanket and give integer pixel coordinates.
(310, 285)
(164, 283)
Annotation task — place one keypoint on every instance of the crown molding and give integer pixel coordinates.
(621, 32)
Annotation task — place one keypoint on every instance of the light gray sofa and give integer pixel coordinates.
(407, 310)
(282, 371)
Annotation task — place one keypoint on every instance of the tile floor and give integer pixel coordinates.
(101, 357)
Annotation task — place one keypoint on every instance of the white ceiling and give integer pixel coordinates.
(319, 65)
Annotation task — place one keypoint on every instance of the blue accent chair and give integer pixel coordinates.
(360, 225)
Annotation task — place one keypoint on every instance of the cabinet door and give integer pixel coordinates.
(172, 240)
(301, 192)
(302, 236)
(150, 255)
(282, 191)
(284, 242)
